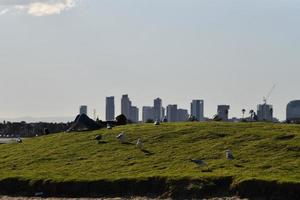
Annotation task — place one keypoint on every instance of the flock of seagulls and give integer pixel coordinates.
(139, 144)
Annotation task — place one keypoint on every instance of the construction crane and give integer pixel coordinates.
(265, 99)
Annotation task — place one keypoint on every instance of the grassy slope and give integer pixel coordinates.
(262, 151)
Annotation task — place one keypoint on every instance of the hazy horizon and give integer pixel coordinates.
(56, 55)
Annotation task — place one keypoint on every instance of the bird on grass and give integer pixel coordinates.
(19, 140)
(156, 123)
(121, 137)
(229, 155)
(139, 144)
(108, 126)
(98, 137)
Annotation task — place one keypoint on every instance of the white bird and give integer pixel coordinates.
(229, 155)
(108, 126)
(98, 137)
(198, 161)
(139, 143)
(156, 123)
(19, 140)
(121, 137)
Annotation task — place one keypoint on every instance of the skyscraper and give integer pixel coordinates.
(125, 106)
(197, 109)
(223, 111)
(157, 109)
(148, 113)
(110, 108)
(182, 115)
(265, 112)
(134, 114)
(83, 110)
(172, 113)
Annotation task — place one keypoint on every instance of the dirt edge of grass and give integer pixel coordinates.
(154, 187)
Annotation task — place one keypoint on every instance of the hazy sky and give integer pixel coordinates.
(56, 55)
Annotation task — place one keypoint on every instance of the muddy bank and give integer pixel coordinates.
(153, 188)
(133, 198)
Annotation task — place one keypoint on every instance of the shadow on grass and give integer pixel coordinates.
(127, 143)
(146, 152)
(102, 142)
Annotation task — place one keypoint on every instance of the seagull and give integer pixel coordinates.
(108, 126)
(121, 137)
(19, 140)
(198, 161)
(229, 155)
(98, 137)
(156, 123)
(139, 143)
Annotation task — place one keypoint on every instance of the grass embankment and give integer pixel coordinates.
(267, 161)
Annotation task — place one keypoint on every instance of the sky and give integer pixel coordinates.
(58, 54)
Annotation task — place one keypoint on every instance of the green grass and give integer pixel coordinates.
(263, 151)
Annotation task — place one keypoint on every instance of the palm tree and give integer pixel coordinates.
(251, 112)
(243, 111)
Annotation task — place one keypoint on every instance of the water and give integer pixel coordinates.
(7, 140)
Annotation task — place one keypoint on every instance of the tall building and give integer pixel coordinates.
(110, 108)
(134, 114)
(148, 113)
(197, 109)
(223, 111)
(83, 110)
(293, 111)
(172, 113)
(182, 115)
(157, 109)
(125, 106)
(265, 112)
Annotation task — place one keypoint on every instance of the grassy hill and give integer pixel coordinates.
(267, 161)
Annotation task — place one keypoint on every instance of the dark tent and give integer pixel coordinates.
(83, 123)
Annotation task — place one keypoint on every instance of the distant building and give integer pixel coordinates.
(172, 113)
(134, 114)
(83, 110)
(265, 112)
(148, 113)
(293, 111)
(125, 106)
(182, 115)
(130, 112)
(223, 111)
(110, 108)
(157, 109)
(197, 109)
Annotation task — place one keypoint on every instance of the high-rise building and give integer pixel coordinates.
(157, 109)
(172, 113)
(83, 109)
(134, 114)
(197, 109)
(265, 112)
(125, 106)
(148, 113)
(110, 108)
(223, 111)
(182, 115)
(293, 111)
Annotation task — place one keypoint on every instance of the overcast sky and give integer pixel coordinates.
(56, 55)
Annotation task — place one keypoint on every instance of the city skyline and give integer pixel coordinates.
(136, 113)
(78, 52)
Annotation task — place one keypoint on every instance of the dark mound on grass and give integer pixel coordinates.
(84, 123)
